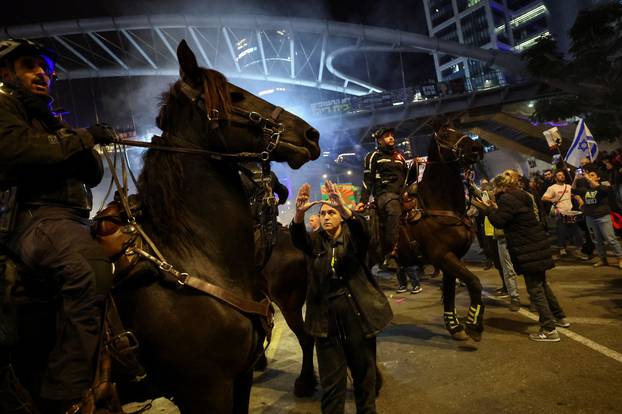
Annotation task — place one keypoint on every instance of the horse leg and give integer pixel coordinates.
(452, 324)
(242, 392)
(200, 396)
(306, 382)
(262, 363)
(474, 325)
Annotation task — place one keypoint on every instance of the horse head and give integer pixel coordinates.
(204, 110)
(452, 145)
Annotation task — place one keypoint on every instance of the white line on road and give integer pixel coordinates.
(608, 352)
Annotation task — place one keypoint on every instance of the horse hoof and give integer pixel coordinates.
(459, 336)
(304, 387)
(475, 332)
(261, 364)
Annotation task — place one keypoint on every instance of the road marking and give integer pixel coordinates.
(608, 352)
(597, 321)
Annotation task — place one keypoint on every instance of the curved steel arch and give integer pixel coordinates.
(389, 40)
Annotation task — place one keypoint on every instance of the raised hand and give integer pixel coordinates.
(302, 202)
(335, 200)
(302, 199)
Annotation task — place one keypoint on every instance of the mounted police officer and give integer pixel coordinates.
(46, 172)
(384, 176)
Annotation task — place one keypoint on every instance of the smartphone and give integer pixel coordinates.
(485, 196)
(580, 171)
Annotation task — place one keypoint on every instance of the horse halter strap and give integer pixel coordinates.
(455, 149)
(270, 127)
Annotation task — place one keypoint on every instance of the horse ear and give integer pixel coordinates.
(437, 123)
(188, 66)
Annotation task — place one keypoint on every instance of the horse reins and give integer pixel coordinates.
(271, 130)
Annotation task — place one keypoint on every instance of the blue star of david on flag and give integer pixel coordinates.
(583, 146)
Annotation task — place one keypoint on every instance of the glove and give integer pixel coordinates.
(102, 134)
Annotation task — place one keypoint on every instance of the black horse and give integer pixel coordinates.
(444, 233)
(196, 347)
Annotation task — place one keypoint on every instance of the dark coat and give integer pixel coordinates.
(385, 171)
(370, 302)
(528, 244)
(50, 163)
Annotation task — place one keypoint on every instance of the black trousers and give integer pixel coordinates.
(55, 242)
(544, 299)
(346, 347)
(389, 211)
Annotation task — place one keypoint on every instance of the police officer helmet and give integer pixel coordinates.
(377, 135)
(12, 49)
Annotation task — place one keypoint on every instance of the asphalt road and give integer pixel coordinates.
(425, 371)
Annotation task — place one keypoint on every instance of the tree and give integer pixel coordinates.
(591, 79)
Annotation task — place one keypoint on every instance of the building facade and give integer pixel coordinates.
(510, 25)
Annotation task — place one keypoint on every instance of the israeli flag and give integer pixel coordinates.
(583, 146)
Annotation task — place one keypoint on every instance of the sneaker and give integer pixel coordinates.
(401, 289)
(515, 304)
(600, 263)
(562, 252)
(545, 336)
(416, 289)
(562, 323)
(581, 256)
(501, 293)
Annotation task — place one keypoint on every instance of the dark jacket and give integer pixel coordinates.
(372, 306)
(385, 171)
(48, 162)
(528, 244)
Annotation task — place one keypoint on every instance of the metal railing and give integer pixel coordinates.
(413, 94)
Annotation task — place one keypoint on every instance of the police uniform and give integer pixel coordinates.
(384, 177)
(53, 168)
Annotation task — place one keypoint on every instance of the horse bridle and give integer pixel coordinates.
(270, 127)
(454, 148)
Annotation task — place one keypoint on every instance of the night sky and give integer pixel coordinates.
(405, 15)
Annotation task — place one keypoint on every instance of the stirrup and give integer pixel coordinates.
(124, 349)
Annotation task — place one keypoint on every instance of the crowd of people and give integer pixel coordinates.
(55, 167)
(579, 206)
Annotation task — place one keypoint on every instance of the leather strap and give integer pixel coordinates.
(463, 219)
(263, 308)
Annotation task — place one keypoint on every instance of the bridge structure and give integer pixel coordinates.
(293, 52)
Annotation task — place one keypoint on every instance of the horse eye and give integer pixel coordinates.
(237, 97)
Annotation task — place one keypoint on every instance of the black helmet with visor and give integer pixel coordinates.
(11, 49)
